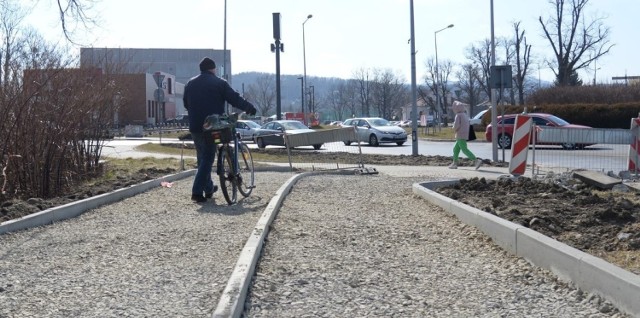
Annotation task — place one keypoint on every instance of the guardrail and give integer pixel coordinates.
(558, 149)
(332, 141)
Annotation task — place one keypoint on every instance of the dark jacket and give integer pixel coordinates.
(205, 94)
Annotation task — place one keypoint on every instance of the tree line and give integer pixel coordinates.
(575, 39)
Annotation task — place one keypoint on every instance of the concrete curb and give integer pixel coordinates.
(586, 271)
(76, 208)
(231, 303)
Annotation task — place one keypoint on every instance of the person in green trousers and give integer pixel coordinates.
(461, 128)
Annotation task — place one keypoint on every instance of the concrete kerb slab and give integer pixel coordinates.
(231, 302)
(76, 208)
(586, 271)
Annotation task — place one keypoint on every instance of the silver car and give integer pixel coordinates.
(272, 133)
(375, 131)
(247, 129)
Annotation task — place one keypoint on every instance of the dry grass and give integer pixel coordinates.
(629, 260)
(177, 149)
(120, 168)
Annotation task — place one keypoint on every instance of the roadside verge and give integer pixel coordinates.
(73, 209)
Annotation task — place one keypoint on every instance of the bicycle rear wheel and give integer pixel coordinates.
(246, 177)
(226, 175)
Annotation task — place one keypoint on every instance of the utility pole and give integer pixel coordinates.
(277, 47)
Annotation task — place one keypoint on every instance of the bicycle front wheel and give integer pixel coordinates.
(227, 176)
(246, 178)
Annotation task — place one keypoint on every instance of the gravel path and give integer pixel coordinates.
(153, 255)
(342, 246)
(365, 246)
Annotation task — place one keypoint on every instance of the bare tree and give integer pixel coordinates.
(444, 70)
(73, 13)
(508, 45)
(389, 93)
(339, 99)
(58, 115)
(362, 80)
(523, 54)
(428, 92)
(469, 85)
(263, 94)
(11, 15)
(572, 36)
(480, 55)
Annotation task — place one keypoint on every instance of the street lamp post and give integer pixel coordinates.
(494, 104)
(414, 94)
(437, 78)
(304, 62)
(302, 95)
(312, 98)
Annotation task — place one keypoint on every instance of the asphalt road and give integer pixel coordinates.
(601, 157)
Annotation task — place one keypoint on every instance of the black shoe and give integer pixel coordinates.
(210, 194)
(198, 198)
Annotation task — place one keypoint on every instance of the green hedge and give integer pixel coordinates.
(594, 115)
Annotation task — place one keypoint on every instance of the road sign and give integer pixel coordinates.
(159, 95)
(158, 78)
(500, 76)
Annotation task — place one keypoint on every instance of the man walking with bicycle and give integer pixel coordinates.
(205, 95)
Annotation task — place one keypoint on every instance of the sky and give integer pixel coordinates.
(343, 36)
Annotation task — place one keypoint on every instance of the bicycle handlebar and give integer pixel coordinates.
(216, 122)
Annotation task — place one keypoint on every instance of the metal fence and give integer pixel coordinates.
(333, 155)
(557, 149)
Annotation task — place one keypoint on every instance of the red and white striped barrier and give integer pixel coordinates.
(520, 145)
(634, 147)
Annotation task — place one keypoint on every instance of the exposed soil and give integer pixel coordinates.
(603, 223)
(17, 208)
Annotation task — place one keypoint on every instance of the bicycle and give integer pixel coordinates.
(235, 172)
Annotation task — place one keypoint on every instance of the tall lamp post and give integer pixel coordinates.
(302, 95)
(437, 79)
(304, 62)
(414, 98)
(312, 98)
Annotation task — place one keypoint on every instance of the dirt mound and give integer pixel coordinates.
(586, 218)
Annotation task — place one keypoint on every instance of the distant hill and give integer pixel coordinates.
(290, 87)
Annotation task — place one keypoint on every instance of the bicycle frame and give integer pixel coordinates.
(228, 168)
(236, 145)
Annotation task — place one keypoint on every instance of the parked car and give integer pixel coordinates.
(247, 129)
(505, 129)
(272, 133)
(375, 131)
(180, 119)
(405, 123)
(477, 119)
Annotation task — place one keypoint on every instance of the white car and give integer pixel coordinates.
(477, 119)
(375, 131)
(247, 129)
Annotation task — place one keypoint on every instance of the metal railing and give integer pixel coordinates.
(332, 141)
(558, 149)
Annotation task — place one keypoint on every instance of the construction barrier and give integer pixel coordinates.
(520, 145)
(634, 149)
(332, 143)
